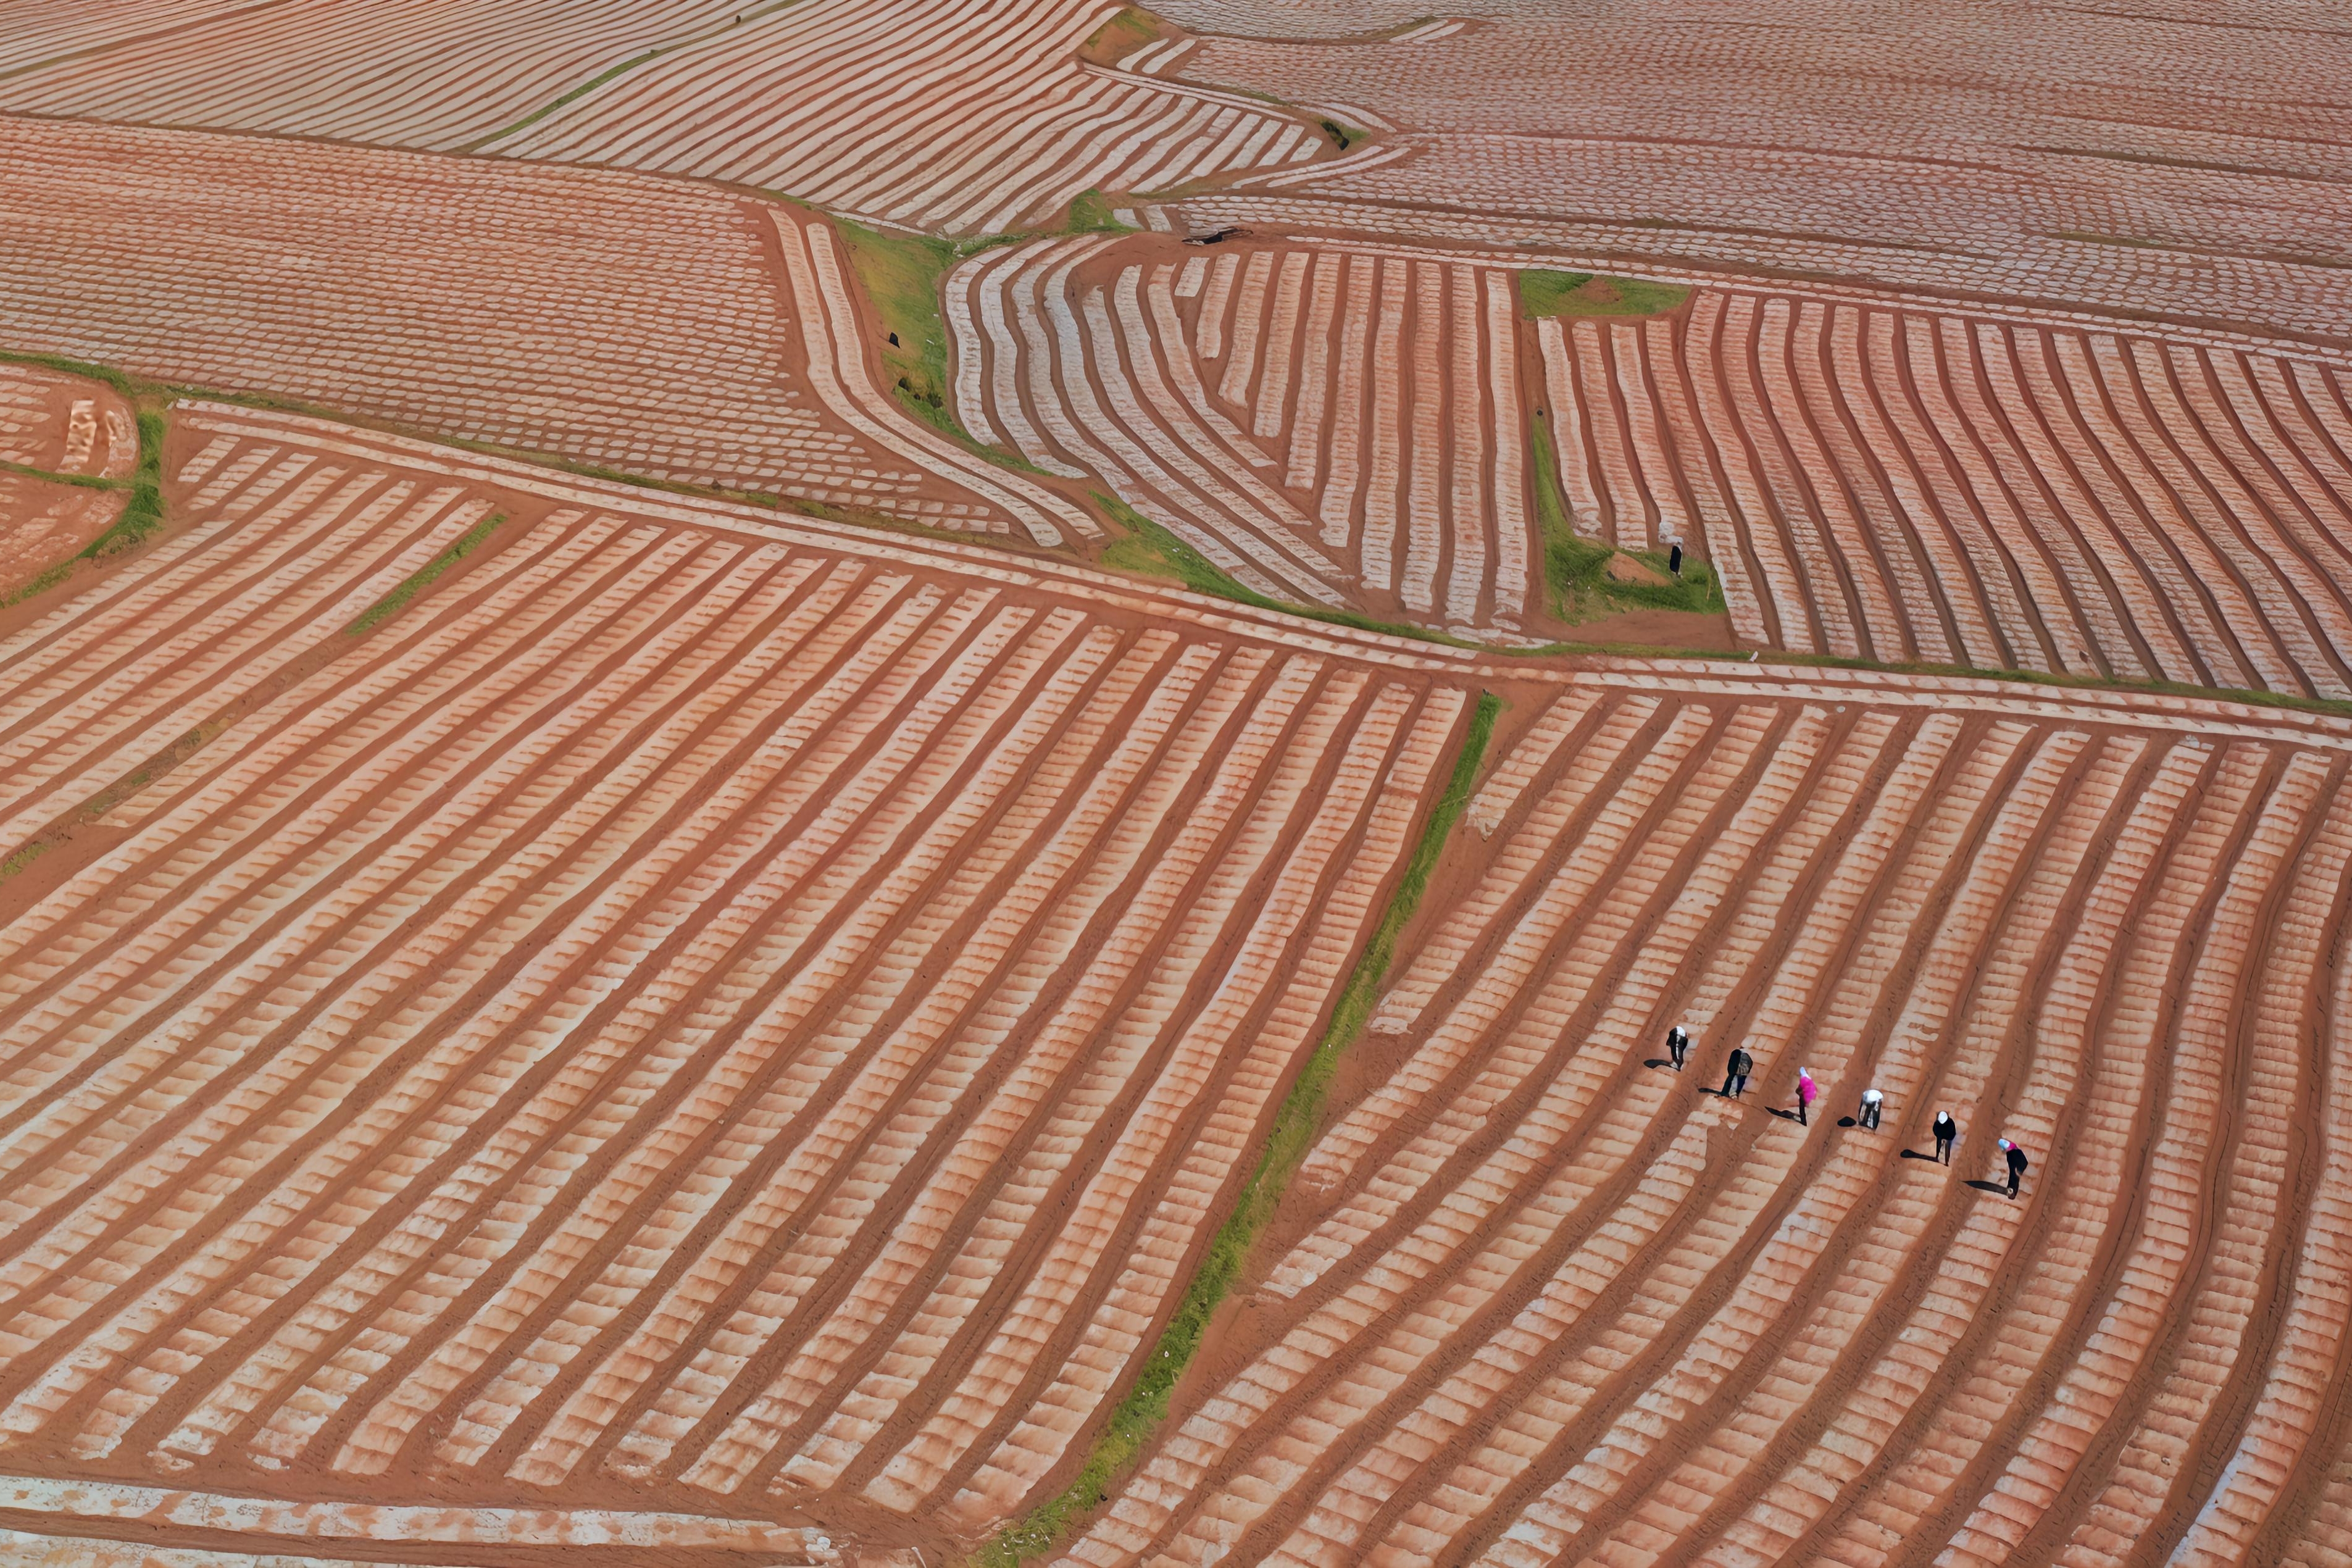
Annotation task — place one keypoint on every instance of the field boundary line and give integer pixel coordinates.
(2216, 713)
(1137, 1416)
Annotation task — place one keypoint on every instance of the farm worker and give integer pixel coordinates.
(1947, 1130)
(1871, 1100)
(1675, 557)
(1735, 1080)
(1806, 1091)
(2016, 1164)
(1677, 1044)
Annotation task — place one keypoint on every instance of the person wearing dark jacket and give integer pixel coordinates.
(1735, 1080)
(2016, 1157)
(1677, 1044)
(1947, 1130)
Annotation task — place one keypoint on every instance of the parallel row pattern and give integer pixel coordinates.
(970, 117)
(2137, 159)
(1328, 427)
(673, 1004)
(434, 74)
(1551, 1302)
(636, 323)
(1903, 486)
(841, 102)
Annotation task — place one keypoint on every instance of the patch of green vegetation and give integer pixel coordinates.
(1121, 36)
(142, 514)
(79, 481)
(1090, 213)
(1294, 1123)
(39, 584)
(1576, 569)
(1543, 293)
(416, 582)
(902, 275)
(23, 857)
(1149, 548)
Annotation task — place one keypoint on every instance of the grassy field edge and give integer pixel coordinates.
(1140, 1413)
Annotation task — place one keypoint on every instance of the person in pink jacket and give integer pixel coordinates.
(1807, 1092)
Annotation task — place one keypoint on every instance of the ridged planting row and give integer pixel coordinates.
(641, 324)
(407, 73)
(671, 1004)
(1903, 486)
(2023, 153)
(973, 117)
(1326, 426)
(1540, 1299)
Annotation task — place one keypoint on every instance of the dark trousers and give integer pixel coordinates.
(1675, 1049)
(1802, 1120)
(2013, 1184)
(1734, 1083)
(1944, 1149)
(1870, 1114)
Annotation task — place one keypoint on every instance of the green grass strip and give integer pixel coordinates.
(142, 514)
(409, 587)
(79, 481)
(1152, 549)
(1146, 1404)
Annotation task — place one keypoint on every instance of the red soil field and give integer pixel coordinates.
(2158, 162)
(665, 329)
(54, 424)
(970, 117)
(1905, 485)
(42, 522)
(1326, 426)
(1538, 1299)
(694, 1009)
(64, 423)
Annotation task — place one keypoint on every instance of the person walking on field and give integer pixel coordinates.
(1871, 1100)
(1735, 1081)
(1807, 1092)
(2016, 1157)
(1679, 1045)
(1947, 1130)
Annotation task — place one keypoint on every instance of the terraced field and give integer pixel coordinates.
(1326, 425)
(973, 117)
(667, 329)
(1901, 486)
(547, 1020)
(690, 1006)
(1542, 1299)
(2152, 161)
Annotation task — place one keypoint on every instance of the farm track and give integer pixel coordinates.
(1907, 485)
(1544, 1301)
(1325, 426)
(667, 330)
(801, 1013)
(969, 118)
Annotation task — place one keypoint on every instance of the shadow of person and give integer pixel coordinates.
(1914, 1154)
(1990, 1187)
(1659, 1062)
(1783, 1115)
(1845, 1121)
